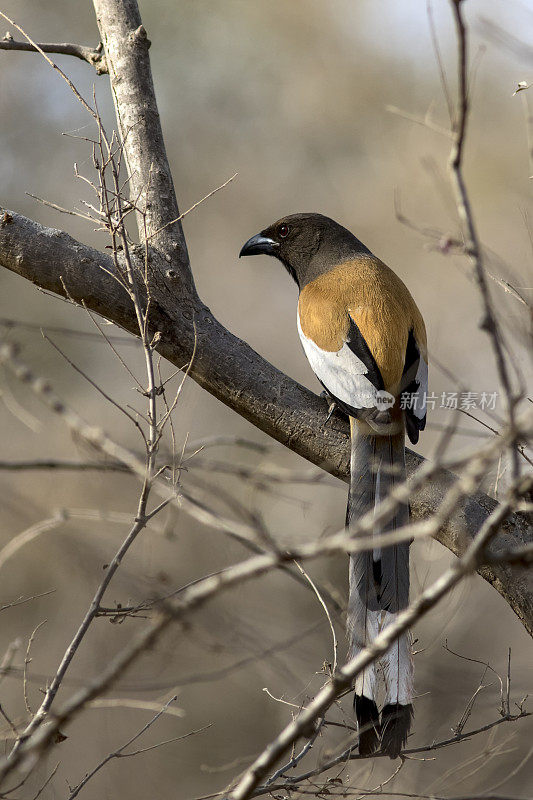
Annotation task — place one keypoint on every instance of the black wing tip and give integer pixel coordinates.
(412, 430)
(367, 715)
(414, 426)
(395, 726)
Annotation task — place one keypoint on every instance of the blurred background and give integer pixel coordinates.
(295, 97)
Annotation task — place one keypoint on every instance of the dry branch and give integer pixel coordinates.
(343, 678)
(224, 365)
(349, 754)
(38, 738)
(230, 370)
(126, 46)
(92, 55)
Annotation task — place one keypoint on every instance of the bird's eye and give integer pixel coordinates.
(283, 231)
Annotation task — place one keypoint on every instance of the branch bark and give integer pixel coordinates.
(234, 373)
(92, 55)
(224, 365)
(126, 46)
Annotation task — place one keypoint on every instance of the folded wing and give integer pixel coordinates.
(350, 374)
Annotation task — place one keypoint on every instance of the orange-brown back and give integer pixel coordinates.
(379, 303)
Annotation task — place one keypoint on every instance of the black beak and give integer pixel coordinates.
(259, 244)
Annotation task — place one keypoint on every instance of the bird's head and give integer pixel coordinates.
(306, 244)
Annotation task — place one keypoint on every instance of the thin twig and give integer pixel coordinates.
(38, 48)
(27, 661)
(489, 323)
(195, 205)
(326, 611)
(119, 752)
(344, 677)
(295, 781)
(440, 63)
(93, 383)
(259, 565)
(22, 600)
(94, 56)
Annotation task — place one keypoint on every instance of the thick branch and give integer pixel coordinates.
(126, 46)
(231, 371)
(92, 55)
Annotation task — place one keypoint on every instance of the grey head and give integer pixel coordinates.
(306, 244)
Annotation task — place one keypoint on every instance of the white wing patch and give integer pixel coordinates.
(341, 372)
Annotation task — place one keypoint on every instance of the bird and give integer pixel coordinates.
(365, 340)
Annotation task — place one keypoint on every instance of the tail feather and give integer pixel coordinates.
(379, 588)
(395, 724)
(367, 715)
(363, 605)
(390, 471)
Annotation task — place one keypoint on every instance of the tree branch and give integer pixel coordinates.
(92, 55)
(223, 364)
(343, 678)
(197, 594)
(230, 370)
(126, 47)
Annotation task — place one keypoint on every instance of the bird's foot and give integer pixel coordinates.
(332, 405)
(331, 410)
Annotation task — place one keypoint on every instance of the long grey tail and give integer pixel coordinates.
(379, 588)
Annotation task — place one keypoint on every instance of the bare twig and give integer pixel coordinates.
(207, 588)
(326, 612)
(46, 783)
(344, 677)
(27, 662)
(296, 417)
(440, 63)
(37, 48)
(9, 721)
(349, 754)
(45, 465)
(22, 600)
(119, 752)
(92, 55)
(95, 385)
(28, 536)
(8, 658)
(425, 121)
(489, 323)
(53, 688)
(192, 208)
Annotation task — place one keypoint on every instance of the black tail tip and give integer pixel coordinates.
(367, 715)
(395, 725)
